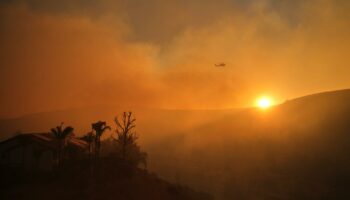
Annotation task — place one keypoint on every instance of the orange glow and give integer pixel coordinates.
(264, 102)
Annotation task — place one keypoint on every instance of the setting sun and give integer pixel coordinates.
(264, 102)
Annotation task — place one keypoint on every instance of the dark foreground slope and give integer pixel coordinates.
(109, 179)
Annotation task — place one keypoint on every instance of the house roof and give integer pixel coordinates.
(46, 139)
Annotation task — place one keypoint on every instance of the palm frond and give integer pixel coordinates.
(55, 132)
(67, 131)
(106, 128)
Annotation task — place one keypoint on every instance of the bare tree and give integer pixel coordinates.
(126, 136)
(127, 147)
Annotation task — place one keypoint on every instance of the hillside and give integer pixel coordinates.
(296, 150)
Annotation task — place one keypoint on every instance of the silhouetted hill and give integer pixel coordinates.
(296, 150)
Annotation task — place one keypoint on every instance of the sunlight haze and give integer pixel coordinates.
(162, 54)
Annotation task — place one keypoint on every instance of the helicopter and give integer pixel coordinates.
(220, 65)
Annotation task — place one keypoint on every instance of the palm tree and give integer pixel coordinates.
(89, 138)
(61, 134)
(99, 127)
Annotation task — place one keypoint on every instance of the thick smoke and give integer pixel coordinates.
(64, 54)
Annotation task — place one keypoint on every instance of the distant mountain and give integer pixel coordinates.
(81, 119)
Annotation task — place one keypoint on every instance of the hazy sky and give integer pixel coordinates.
(161, 53)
